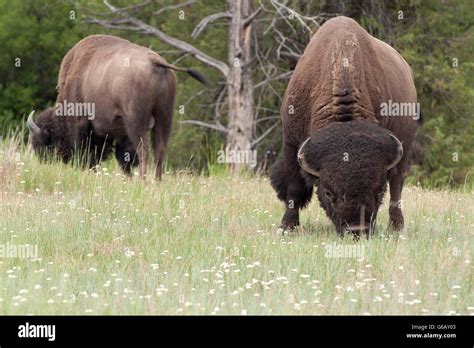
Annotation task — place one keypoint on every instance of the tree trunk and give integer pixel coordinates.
(239, 80)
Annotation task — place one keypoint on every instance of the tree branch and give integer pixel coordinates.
(216, 126)
(252, 16)
(184, 46)
(173, 7)
(301, 18)
(217, 113)
(142, 27)
(114, 10)
(184, 55)
(268, 131)
(273, 78)
(206, 20)
(107, 24)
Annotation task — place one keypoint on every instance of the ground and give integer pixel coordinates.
(206, 245)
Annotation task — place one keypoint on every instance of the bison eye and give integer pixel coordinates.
(328, 194)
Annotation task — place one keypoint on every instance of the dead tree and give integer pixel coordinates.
(236, 73)
(239, 82)
(249, 22)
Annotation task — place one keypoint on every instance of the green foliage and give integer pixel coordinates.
(34, 37)
(438, 47)
(429, 36)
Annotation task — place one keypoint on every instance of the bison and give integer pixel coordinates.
(130, 89)
(337, 133)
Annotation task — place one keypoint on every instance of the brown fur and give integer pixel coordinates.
(343, 76)
(132, 88)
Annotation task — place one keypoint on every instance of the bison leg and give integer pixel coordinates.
(395, 211)
(126, 155)
(291, 188)
(159, 146)
(137, 131)
(142, 151)
(141, 145)
(163, 116)
(161, 131)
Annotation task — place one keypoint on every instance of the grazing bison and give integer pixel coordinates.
(337, 133)
(130, 90)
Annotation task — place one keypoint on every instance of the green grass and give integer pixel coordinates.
(206, 245)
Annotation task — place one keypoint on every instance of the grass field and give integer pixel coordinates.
(206, 245)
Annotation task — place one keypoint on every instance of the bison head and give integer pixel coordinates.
(44, 137)
(349, 162)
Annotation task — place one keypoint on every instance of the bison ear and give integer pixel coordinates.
(396, 152)
(307, 159)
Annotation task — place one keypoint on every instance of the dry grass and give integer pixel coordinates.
(206, 245)
(10, 152)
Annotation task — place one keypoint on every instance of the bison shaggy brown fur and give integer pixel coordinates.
(334, 134)
(133, 91)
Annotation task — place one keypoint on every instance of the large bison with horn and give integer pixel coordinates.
(131, 91)
(337, 133)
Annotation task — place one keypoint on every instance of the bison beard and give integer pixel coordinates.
(333, 134)
(352, 160)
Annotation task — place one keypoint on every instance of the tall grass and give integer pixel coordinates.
(108, 244)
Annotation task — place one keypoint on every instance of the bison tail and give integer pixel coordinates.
(198, 76)
(193, 73)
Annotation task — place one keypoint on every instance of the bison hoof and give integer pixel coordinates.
(397, 223)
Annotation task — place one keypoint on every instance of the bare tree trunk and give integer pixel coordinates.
(239, 80)
(241, 123)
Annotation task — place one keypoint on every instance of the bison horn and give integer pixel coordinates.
(32, 126)
(303, 164)
(399, 154)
